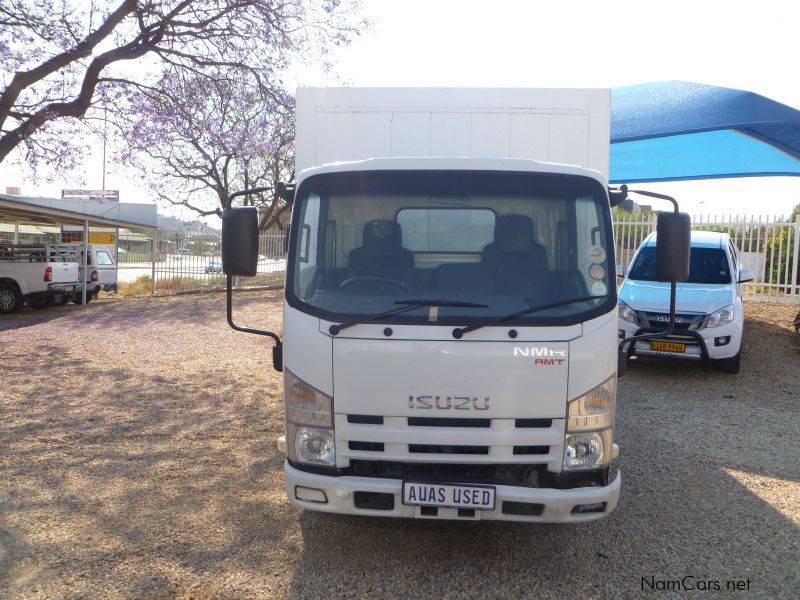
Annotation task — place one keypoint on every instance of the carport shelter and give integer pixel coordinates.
(19, 210)
(678, 130)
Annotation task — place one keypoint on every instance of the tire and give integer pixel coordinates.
(40, 302)
(10, 298)
(728, 365)
(77, 298)
(60, 299)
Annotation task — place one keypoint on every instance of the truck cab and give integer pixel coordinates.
(450, 343)
(441, 324)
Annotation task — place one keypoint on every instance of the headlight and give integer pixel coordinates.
(590, 419)
(309, 422)
(587, 450)
(313, 445)
(722, 316)
(304, 404)
(627, 313)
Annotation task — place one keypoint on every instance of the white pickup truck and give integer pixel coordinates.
(102, 273)
(34, 274)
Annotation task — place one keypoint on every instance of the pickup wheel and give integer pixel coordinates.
(77, 297)
(40, 302)
(10, 298)
(728, 365)
(60, 299)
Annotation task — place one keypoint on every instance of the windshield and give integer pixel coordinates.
(706, 265)
(507, 241)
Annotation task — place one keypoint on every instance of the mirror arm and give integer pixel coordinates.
(277, 349)
(256, 190)
(659, 196)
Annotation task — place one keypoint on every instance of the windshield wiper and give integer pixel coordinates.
(458, 332)
(407, 306)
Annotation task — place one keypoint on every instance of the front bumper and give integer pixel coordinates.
(557, 505)
(699, 344)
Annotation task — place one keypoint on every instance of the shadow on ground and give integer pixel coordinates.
(138, 459)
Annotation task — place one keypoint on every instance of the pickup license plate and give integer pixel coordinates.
(446, 495)
(668, 346)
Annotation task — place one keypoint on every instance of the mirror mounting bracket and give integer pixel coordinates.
(277, 349)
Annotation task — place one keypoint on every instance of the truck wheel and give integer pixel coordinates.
(728, 365)
(10, 298)
(40, 302)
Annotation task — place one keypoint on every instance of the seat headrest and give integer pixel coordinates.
(514, 233)
(382, 234)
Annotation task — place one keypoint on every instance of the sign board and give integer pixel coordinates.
(101, 196)
(102, 237)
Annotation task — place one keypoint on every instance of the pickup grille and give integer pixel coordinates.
(683, 321)
(449, 440)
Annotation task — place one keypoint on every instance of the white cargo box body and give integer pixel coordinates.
(569, 126)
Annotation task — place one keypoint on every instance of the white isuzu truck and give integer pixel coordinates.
(450, 313)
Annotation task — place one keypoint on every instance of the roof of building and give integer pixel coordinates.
(56, 211)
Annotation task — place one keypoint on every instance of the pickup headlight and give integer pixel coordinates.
(722, 316)
(309, 422)
(626, 313)
(590, 420)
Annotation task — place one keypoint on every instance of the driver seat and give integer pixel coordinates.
(517, 263)
(382, 254)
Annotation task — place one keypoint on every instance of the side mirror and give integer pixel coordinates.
(240, 241)
(745, 275)
(673, 237)
(621, 271)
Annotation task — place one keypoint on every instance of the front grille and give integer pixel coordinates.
(520, 450)
(533, 423)
(447, 422)
(365, 419)
(530, 475)
(440, 449)
(685, 322)
(527, 475)
(365, 446)
(450, 439)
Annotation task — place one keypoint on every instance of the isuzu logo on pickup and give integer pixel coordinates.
(432, 401)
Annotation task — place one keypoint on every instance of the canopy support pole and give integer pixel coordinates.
(85, 260)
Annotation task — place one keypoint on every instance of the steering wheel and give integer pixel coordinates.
(351, 281)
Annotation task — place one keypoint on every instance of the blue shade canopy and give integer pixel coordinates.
(677, 130)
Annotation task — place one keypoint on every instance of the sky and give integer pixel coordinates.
(516, 43)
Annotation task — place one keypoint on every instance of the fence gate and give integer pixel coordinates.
(768, 246)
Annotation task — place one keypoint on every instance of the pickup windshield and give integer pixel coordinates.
(485, 244)
(706, 265)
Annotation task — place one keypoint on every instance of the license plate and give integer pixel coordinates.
(445, 495)
(668, 346)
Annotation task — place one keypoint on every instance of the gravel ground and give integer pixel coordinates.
(138, 459)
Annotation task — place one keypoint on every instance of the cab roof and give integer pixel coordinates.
(451, 164)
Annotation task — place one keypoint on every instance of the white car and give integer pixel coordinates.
(709, 315)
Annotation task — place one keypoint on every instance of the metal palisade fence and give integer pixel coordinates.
(177, 263)
(174, 263)
(768, 245)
